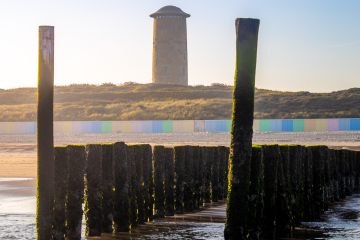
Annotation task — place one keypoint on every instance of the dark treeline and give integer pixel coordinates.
(129, 185)
(158, 102)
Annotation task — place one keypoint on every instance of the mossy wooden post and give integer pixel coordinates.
(271, 160)
(241, 130)
(139, 183)
(45, 139)
(197, 177)
(215, 188)
(121, 194)
(131, 158)
(283, 213)
(256, 194)
(93, 190)
(319, 168)
(159, 168)
(202, 153)
(207, 168)
(107, 188)
(222, 171)
(308, 187)
(75, 194)
(61, 173)
(286, 197)
(169, 182)
(188, 180)
(179, 173)
(294, 171)
(148, 182)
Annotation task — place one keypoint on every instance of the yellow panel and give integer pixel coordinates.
(186, 126)
(321, 125)
(122, 127)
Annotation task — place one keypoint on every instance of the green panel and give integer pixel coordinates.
(106, 127)
(298, 125)
(228, 125)
(265, 125)
(167, 126)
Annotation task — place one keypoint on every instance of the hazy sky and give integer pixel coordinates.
(311, 45)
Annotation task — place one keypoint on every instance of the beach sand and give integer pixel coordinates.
(18, 152)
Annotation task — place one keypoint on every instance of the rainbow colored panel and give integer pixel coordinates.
(199, 126)
(265, 125)
(185, 126)
(215, 126)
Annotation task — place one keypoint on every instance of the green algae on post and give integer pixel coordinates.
(61, 179)
(169, 182)
(107, 188)
(179, 170)
(148, 181)
(75, 194)
(93, 190)
(241, 129)
(159, 169)
(121, 212)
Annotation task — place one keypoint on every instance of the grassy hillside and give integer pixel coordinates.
(147, 101)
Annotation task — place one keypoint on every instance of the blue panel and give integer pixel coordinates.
(355, 124)
(147, 126)
(276, 125)
(344, 124)
(215, 125)
(95, 127)
(157, 127)
(287, 125)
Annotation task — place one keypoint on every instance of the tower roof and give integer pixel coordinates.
(170, 11)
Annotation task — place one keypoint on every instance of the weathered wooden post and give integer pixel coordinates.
(107, 188)
(159, 172)
(256, 194)
(241, 130)
(140, 190)
(188, 180)
(121, 212)
(149, 182)
(271, 159)
(45, 140)
(179, 170)
(131, 158)
(215, 193)
(207, 175)
(197, 176)
(93, 190)
(61, 180)
(75, 194)
(169, 182)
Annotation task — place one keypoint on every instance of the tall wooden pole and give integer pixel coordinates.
(45, 165)
(241, 131)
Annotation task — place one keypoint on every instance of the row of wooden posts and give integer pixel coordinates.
(123, 186)
(292, 184)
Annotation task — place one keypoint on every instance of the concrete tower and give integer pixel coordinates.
(170, 64)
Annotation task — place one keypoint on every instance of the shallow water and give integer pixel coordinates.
(17, 218)
(17, 196)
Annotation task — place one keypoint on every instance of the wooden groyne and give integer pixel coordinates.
(127, 186)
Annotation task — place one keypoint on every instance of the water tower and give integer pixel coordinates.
(170, 64)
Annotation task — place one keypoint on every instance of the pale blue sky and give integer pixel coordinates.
(311, 45)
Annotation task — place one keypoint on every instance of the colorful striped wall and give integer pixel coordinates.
(185, 126)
